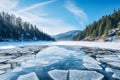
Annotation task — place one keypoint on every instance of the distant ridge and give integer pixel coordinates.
(67, 36)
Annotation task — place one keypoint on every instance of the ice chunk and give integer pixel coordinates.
(115, 64)
(85, 75)
(89, 59)
(2, 71)
(54, 54)
(92, 66)
(7, 47)
(56, 51)
(108, 69)
(6, 66)
(116, 74)
(30, 76)
(58, 74)
(18, 69)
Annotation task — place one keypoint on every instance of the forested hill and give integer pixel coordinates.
(100, 29)
(12, 28)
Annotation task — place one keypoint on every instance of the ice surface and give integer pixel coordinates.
(85, 75)
(108, 69)
(116, 74)
(106, 45)
(54, 54)
(2, 71)
(17, 69)
(7, 47)
(55, 51)
(89, 59)
(92, 66)
(115, 64)
(58, 74)
(6, 66)
(30, 76)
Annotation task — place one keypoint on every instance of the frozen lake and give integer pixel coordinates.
(64, 60)
(106, 45)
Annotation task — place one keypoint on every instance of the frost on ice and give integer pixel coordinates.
(60, 63)
(30, 76)
(58, 74)
(85, 75)
(75, 75)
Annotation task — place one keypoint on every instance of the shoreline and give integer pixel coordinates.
(92, 44)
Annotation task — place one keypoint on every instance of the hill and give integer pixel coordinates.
(67, 36)
(102, 28)
(14, 29)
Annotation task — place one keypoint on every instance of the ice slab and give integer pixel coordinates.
(30, 76)
(18, 69)
(92, 66)
(116, 74)
(2, 72)
(6, 66)
(115, 64)
(85, 75)
(89, 59)
(58, 74)
(54, 54)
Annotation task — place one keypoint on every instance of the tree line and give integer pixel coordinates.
(13, 28)
(101, 27)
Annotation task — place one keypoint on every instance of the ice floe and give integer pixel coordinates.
(58, 74)
(84, 75)
(30, 76)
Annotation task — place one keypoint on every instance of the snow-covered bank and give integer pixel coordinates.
(106, 45)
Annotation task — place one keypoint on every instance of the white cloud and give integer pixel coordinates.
(9, 4)
(79, 14)
(35, 6)
(49, 25)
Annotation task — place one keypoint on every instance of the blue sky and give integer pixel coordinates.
(57, 16)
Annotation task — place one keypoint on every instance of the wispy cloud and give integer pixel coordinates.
(35, 6)
(8, 4)
(77, 12)
(49, 25)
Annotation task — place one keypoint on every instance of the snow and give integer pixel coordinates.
(106, 45)
(85, 75)
(58, 74)
(30, 76)
(7, 47)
